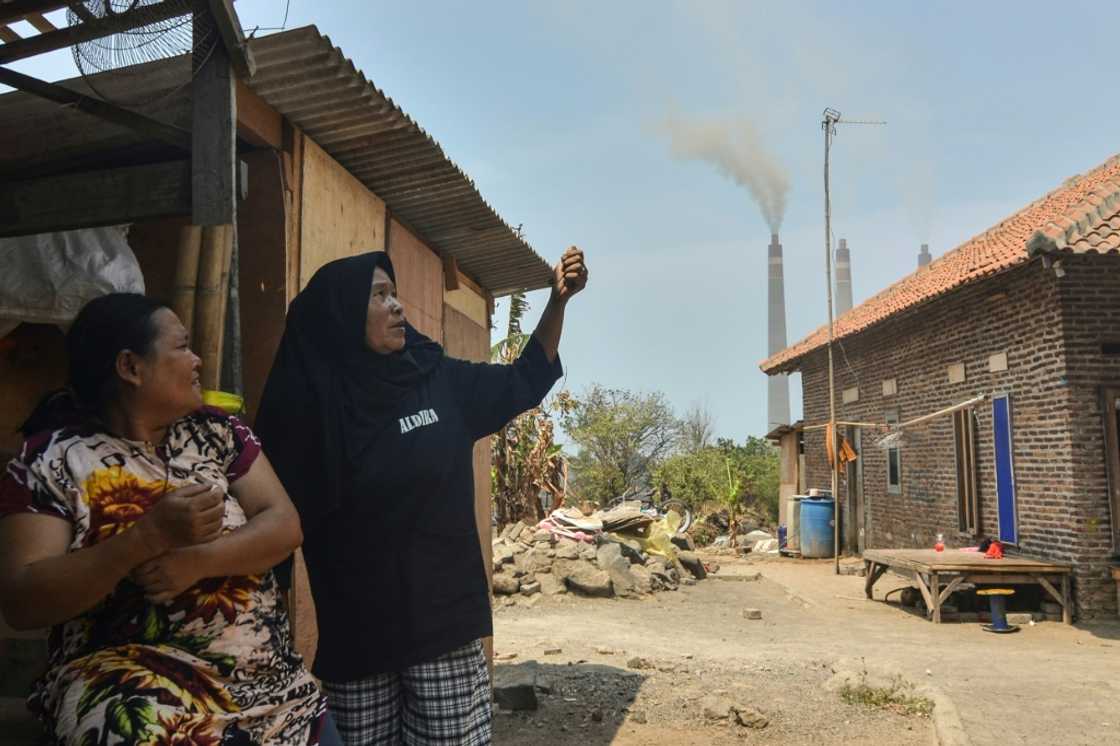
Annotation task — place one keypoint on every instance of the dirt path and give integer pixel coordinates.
(1048, 684)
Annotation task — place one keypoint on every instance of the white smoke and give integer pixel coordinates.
(733, 146)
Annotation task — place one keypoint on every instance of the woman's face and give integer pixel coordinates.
(165, 380)
(384, 316)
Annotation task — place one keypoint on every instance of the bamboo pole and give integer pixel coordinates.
(231, 344)
(209, 323)
(829, 124)
(186, 275)
(845, 423)
(942, 412)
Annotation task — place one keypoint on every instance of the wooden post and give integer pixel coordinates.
(214, 125)
(213, 184)
(209, 322)
(186, 275)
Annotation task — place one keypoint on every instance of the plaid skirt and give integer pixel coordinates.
(444, 701)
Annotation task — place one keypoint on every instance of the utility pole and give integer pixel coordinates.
(831, 117)
(828, 124)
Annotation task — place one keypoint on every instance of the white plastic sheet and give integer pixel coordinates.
(47, 278)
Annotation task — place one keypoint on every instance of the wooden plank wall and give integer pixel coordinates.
(32, 363)
(339, 216)
(464, 338)
(261, 235)
(788, 477)
(419, 280)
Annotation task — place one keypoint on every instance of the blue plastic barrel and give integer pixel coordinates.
(816, 527)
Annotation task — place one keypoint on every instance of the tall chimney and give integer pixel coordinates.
(924, 257)
(777, 412)
(843, 278)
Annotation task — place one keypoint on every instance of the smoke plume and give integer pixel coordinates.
(732, 145)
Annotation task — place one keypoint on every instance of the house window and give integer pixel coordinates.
(894, 462)
(964, 442)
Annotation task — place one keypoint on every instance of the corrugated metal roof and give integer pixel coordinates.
(314, 85)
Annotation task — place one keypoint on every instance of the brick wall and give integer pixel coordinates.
(1090, 295)
(1049, 330)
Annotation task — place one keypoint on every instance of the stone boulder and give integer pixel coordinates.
(643, 578)
(683, 541)
(692, 563)
(617, 567)
(505, 584)
(551, 585)
(515, 687)
(584, 578)
(534, 561)
(503, 554)
(567, 549)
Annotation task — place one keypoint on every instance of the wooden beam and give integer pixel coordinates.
(41, 24)
(229, 28)
(80, 10)
(7, 35)
(257, 122)
(214, 118)
(144, 125)
(17, 10)
(93, 198)
(142, 16)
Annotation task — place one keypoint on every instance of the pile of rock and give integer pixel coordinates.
(529, 561)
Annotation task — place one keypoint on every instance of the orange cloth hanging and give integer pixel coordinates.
(847, 453)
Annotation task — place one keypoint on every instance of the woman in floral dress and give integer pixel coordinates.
(141, 527)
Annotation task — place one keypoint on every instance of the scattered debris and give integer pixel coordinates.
(752, 613)
(639, 664)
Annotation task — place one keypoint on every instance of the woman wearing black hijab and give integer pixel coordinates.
(371, 428)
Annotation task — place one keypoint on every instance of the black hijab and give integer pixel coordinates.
(328, 395)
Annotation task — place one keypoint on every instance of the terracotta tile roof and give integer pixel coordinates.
(1082, 215)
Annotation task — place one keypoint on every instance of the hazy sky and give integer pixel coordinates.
(559, 113)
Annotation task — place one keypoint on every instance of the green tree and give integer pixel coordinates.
(621, 437)
(756, 463)
(695, 477)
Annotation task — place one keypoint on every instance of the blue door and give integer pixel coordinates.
(1005, 471)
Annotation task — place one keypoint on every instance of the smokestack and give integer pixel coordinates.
(777, 412)
(843, 278)
(924, 257)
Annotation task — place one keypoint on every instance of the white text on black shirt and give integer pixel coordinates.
(420, 419)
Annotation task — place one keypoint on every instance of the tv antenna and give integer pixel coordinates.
(832, 118)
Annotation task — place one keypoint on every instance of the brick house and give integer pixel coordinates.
(1027, 315)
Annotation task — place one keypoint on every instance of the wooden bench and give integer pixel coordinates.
(938, 574)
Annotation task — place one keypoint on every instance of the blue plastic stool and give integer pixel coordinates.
(997, 597)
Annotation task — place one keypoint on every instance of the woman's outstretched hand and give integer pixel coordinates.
(569, 274)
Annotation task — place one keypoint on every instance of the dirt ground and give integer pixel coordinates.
(1048, 684)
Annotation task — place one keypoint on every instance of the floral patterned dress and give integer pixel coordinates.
(215, 666)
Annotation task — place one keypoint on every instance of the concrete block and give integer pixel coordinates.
(515, 687)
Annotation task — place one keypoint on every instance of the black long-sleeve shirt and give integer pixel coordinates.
(399, 578)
